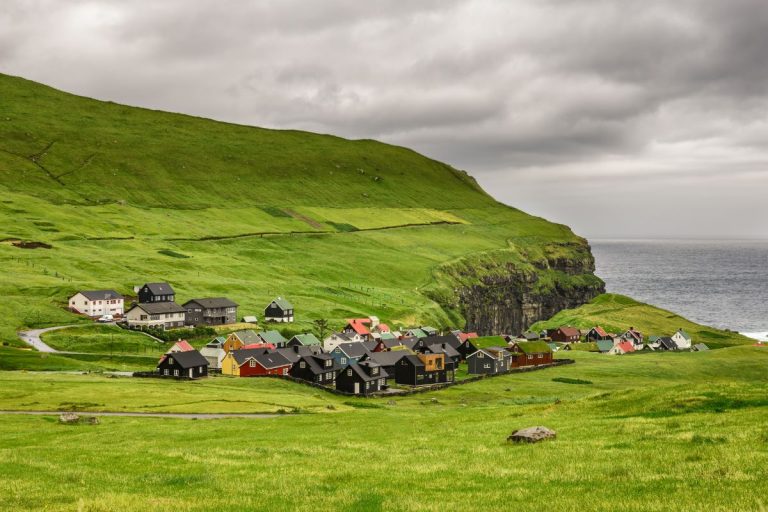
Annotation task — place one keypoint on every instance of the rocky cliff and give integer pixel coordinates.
(506, 292)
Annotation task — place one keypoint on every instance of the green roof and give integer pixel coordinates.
(307, 339)
(684, 334)
(273, 337)
(604, 345)
(283, 303)
(534, 347)
(388, 336)
(418, 333)
(488, 341)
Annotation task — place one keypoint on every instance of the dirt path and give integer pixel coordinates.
(185, 416)
(32, 338)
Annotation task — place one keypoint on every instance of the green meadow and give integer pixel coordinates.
(124, 195)
(650, 432)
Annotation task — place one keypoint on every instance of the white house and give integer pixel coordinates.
(337, 338)
(682, 339)
(165, 315)
(214, 352)
(97, 303)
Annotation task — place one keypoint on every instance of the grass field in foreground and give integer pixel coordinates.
(650, 432)
(616, 313)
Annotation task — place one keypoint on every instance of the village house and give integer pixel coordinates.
(337, 338)
(97, 303)
(597, 333)
(363, 378)
(489, 361)
(273, 337)
(451, 354)
(348, 353)
(317, 368)
(305, 339)
(666, 343)
(238, 339)
(279, 310)
(296, 352)
(624, 347)
(190, 364)
(699, 347)
(254, 362)
(358, 329)
(388, 359)
(530, 353)
(682, 339)
(214, 353)
(162, 315)
(156, 292)
(422, 369)
(605, 346)
(633, 335)
(210, 311)
(180, 346)
(564, 334)
(467, 347)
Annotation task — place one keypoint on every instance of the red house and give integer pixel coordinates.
(565, 334)
(530, 353)
(250, 363)
(359, 327)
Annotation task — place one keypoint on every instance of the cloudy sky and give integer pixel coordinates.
(621, 119)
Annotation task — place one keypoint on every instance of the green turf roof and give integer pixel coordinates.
(534, 347)
(488, 341)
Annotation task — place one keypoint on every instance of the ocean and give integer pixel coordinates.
(723, 284)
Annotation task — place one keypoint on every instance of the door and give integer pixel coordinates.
(357, 388)
(190, 373)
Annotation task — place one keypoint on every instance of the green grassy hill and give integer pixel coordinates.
(126, 195)
(617, 313)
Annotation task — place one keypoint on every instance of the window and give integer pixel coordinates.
(487, 365)
(328, 363)
(343, 360)
(329, 375)
(165, 372)
(367, 385)
(175, 373)
(170, 360)
(285, 371)
(530, 356)
(349, 373)
(302, 364)
(252, 363)
(480, 355)
(382, 381)
(540, 356)
(374, 371)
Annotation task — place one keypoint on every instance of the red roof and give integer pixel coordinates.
(383, 328)
(570, 331)
(183, 346)
(626, 346)
(464, 336)
(258, 345)
(599, 330)
(358, 325)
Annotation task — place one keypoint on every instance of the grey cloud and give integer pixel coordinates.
(539, 98)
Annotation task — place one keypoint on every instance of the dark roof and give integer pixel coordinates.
(213, 302)
(363, 370)
(189, 359)
(354, 349)
(370, 344)
(667, 343)
(265, 357)
(101, 294)
(158, 308)
(388, 358)
(570, 331)
(160, 288)
(530, 335)
(316, 363)
(443, 348)
(414, 360)
(296, 352)
(247, 336)
(451, 340)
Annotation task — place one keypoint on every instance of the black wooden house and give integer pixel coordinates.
(362, 378)
(319, 368)
(190, 364)
(156, 292)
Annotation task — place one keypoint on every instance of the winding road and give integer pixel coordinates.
(33, 337)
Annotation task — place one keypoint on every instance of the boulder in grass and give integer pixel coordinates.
(532, 435)
(69, 418)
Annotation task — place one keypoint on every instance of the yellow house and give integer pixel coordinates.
(237, 339)
(432, 362)
(229, 365)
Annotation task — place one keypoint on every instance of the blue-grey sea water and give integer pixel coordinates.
(719, 283)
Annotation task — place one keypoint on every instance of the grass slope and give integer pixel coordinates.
(127, 195)
(104, 339)
(616, 313)
(689, 428)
